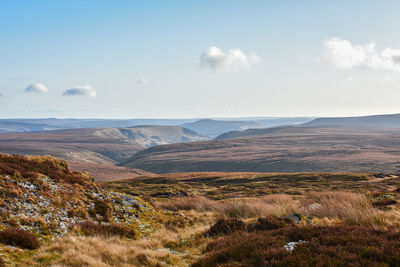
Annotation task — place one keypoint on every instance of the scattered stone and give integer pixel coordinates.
(314, 206)
(292, 245)
(295, 218)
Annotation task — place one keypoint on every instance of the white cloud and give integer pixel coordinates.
(142, 81)
(386, 79)
(36, 88)
(84, 90)
(350, 79)
(344, 55)
(234, 59)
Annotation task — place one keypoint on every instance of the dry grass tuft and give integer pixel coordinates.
(198, 203)
(105, 230)
(19, 238)
(270, 205)
(226, 226)
(351, 207)
(96, 251)
(34, 166)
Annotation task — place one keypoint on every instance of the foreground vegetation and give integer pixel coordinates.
(200, 219)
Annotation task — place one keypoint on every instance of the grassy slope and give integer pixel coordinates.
(41, 195)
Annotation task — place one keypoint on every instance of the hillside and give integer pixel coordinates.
(290, 149)
(390, 120)
(41, 196)
(301, 129)
(216, 127)
(106, 172)
(97, 145)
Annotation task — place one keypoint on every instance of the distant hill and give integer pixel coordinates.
(281, 149)
(273, 122)
(96, 145)
(302, 129)
(28, 125)
(391, 120)
(216, 127)
(16, 126)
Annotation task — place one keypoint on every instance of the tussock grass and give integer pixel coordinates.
(276, 205)
(107, 230)
(199, 203)
(19, 238)
(33, 166)
(166, 247)
(352, 208)
(97, 251)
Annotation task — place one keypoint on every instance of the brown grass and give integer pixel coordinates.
(108, 230)
(99, 251)
(350, 207)
(324, 246)
(33, 166)
(19, 238)
(166, 247)
(198, 203)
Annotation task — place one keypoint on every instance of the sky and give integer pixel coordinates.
(192, 59)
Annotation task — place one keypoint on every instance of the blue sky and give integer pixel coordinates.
(177, 59)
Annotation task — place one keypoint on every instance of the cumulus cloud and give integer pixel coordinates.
(36, 88)
(386, 79)
(142, 81)
(84, 90)
(345, 55)
(216, 59)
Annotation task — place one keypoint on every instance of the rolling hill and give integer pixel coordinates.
(294, 130)
(215, 127)
(281, 149)
(96, 145)
(390, 120)
(28, 125)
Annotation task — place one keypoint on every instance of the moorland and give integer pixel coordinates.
(299, 195)
(52, 216)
